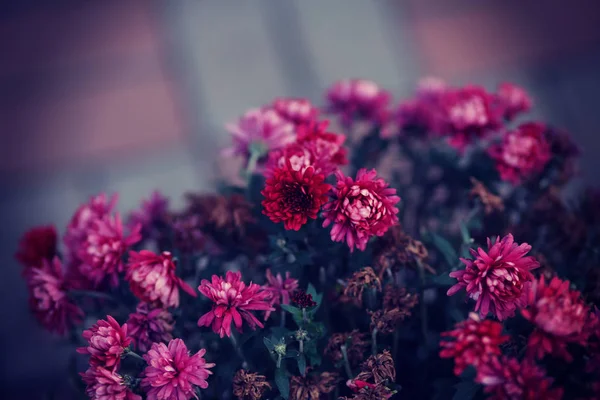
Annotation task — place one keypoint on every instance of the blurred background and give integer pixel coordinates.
(131, 96)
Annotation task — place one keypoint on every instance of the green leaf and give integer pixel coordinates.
(316, 329)
(445, 248)
(292, 354)
(464, 231)
(302, 364)
(269, 344)
(291, 309)
(282, 382)
(317, 297)
(443, 280)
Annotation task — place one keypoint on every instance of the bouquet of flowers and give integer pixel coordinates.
(425, 252)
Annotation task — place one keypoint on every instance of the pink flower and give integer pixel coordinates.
(522, 153)
(96, 208)
(475, 342)
(102, 250)
(297, 111)
(36, 245)
(233, 301)
(358, 98)
(431, 86)
(360, 208)
(514, 100)
(151, 211)
(153, 280)
(147, 326)
(281, 289)
(48, 297)
(499, 279)
(263, 128)
(107, 341)
(559, 315)
(508, 379)
(172, 373)
(106, 384)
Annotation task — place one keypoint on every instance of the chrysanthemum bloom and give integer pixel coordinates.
(262, 128)
(475, 342)
(106, 384)
(233, 302)
(312, 386)
(95, 209)
(103, 248)
(559, 315)
(298, 156)
(514, 100)
(292, 196)
(499, 279)
(152, 278)
(107, 341)
(395, 296)
(230, 215)
(370, 392)
(356, 345)
(281, 289)
(508, 379)
(378, 368)
(360, 208)
(301, 299)
(297, 111)
(152, 211)
(172, 373)
(147, 326)
(249, 386)
(361, 280)
(189, 237)
(522, 152)
(36, 245)
(491, 203)
(358, 98)
(386, 321)
(48, 297)
(396, 250)
(326, 147)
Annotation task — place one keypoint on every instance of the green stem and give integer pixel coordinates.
(279, 361)
(301, 346)
(346, 362)
(374, 342)
(304, 316)
(90, 293)
(238, 350)
(282, 320)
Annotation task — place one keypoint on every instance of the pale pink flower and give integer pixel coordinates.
(147, 326)
(233, 302)
(107, 342)
(95, 209)
(358, 98)
(514, 100)
(360, 208)
(498, 279)
(48, 297)
(298, 111)
(152, 278)
(281, 289)
(172, 373)
(106, 384)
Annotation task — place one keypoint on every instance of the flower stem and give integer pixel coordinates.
(304, 317)
(238, 350)
(301, 346)
(374, 341)
(279, 361)
(93, 294)
(346, 362)
(282, 321)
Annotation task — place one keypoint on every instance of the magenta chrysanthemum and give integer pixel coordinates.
(475, 342)
(147, 326)
(153, 280)
(297, 111)
(522, 152)
(499, 279)
(513, 99)
(172, 373)
(107, 341)
(360, 208)
(36, 245)
(233, 302)
(84, 218)
(559, 315)
(281, 289)
(48, 298)
(106, 384)
(152, 210)
(358, 98)
(101, 252)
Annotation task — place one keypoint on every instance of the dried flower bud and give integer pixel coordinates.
(398, 297)
(356, 345)
(303, 299)
(386, 321)
(491, 202)
(249, 386)
(365, 278)
(379, 367)
(396, 250)
(371, 392)
(312, 386)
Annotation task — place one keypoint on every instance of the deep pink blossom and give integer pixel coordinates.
(298, 111)
(102, 250)
(172, 373)
(559, 315)
(152, 278)
(358, 98)
(522, 152)
(233, 302)
(147, 326)
(513, 99)
(36, 245)
(498, 279)
(281, 289)
(48, 297)
(152, 210)
(106, 384)
(508, 379)
(299, 157)
(95, 209)
(264, 128)
(474, 343)
(360, 208)
(107, 341)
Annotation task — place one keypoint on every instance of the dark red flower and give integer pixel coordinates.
(294, 195)
(559, 315)
(475, 342)
(36, 245)
(107, 341)
(302, 299)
